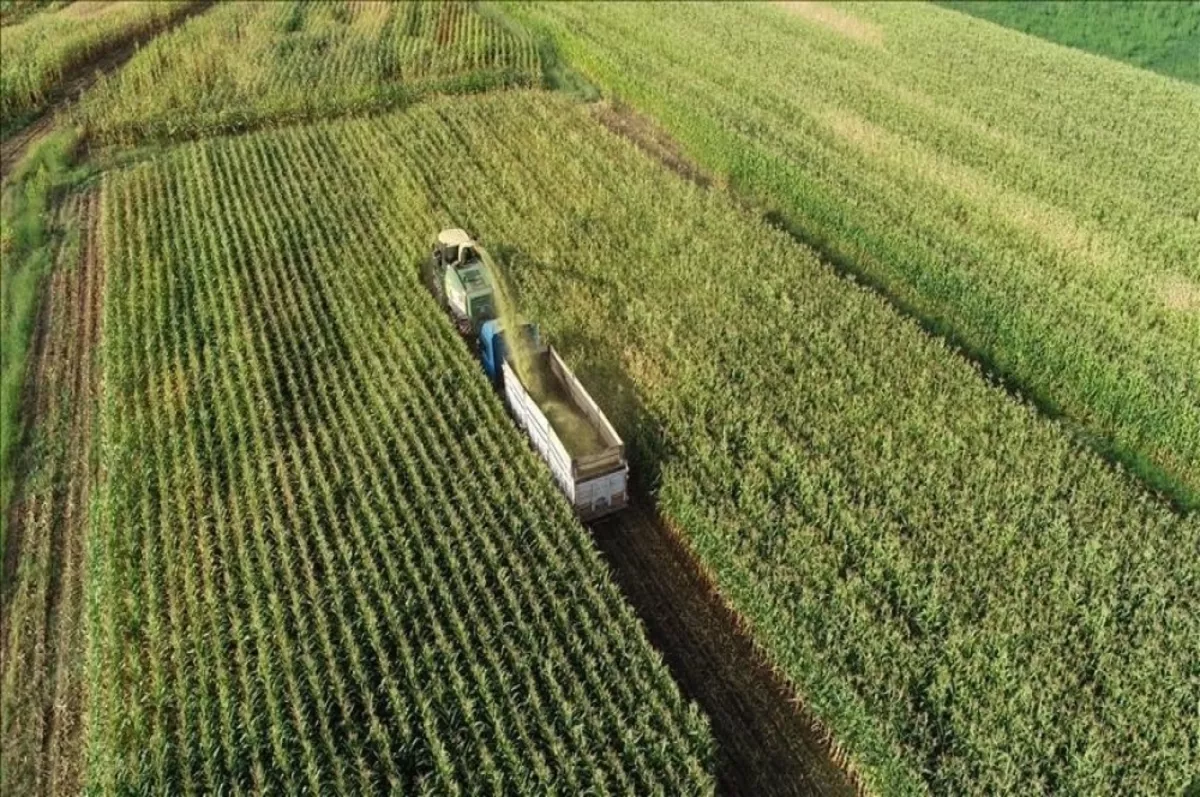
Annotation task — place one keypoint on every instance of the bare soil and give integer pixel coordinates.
(41, 628)
(767, 743)
(624, 121)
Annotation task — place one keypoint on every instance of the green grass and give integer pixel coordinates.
(1160, 35)
(1031, 204)
(300, 61)
(324, 558)
(27, 242)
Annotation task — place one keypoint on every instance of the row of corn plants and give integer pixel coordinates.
(301, 60)
(37, 51)
(1035, 205)
(968, 596)
(323, 559)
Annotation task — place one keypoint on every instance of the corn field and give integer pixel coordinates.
(968, 597)
(281, 536)
(1038, 206)
(299, 60)
(920, 553)
(36, 52)
(323, 558)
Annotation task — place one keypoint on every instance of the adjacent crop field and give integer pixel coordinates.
(971, 600)
(38, 50)
(1161, 35)
(13, 11)
(323, 559)
(1038, 206)
(301, 60)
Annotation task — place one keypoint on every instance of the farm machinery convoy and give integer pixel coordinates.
(563, 422)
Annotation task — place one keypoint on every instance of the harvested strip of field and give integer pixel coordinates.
(766, 743)
(324, 558)
(301, 60)
(49, 48)
(42, 637)
(916, 550)
(30, 236)
(1023, 200)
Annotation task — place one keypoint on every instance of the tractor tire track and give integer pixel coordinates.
(62, 739)
(12, 149)
(42, 639)
(767, 743)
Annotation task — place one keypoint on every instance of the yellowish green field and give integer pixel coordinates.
(1034, 205)
(42, 47)
(900, 339)
(302, 60)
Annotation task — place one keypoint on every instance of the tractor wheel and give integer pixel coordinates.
(429, 272)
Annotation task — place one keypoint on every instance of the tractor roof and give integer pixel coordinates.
(453, 236)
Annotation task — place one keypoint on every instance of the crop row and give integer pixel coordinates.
(36, 52)
(971, 599)
(301, 60)
(1036, 205)
(324, 559)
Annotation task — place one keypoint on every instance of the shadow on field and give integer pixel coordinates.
(766, 745)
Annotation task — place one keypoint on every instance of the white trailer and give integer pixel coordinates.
(595, 483)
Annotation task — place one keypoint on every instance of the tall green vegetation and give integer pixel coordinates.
(301, 60)
(1160, 35)
(14, 11)
(968, 597)
(323, 559)
(38, 51)
(1032, 204)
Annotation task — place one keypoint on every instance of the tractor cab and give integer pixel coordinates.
(453, 247)
(458, 276)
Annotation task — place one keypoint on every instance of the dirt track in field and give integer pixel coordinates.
(42, 632)
(78, 79)
(648, 137)
(11, 149)
(766, 742)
